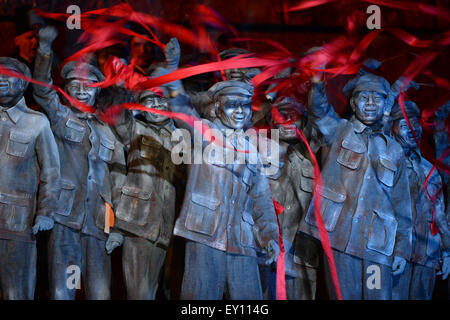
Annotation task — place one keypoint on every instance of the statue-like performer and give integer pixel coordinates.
(92, 162)
(418, 279)
(227, 213)
(29, 184)
(145, 213)
(365, 200)
(292, 187)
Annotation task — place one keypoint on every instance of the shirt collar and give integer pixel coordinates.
(17, 111)
(359, 127)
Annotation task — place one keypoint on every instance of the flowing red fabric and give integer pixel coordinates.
(281, 270)
(320, 225)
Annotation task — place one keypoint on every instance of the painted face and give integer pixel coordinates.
(368, 106)
(235, 74)
(234, 111)
(141, 52)
(10, 88)
(155, 102)
(291, 120)
(80, 90)
(27, 44)
(404, 135)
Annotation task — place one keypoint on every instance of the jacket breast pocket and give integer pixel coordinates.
(14, 211)
(18, 144)
(74, 131)
(386, 170)
(106, 149)
(382, 232)
(306, 179)
(203, 214)
(331, 206)
(134, 206)
(66, 198)
(351, 153)
(246, 236)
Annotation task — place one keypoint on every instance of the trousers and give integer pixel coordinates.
(210, 274)
(415, 283)
(17, 269)
(142, 262)
(359, 279)
(73, 257)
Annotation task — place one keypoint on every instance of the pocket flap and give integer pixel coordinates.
(388, 164)
(67, 184)
(331, 195)
(75, 125)
(146, 141)
(136, 192)
(351, 142)
(247, 217)
(107, 143)
(307, 171)
(205, 201)
(18, 200)
(21, 137)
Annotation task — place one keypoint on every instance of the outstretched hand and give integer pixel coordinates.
(172, 53)
(46, 37)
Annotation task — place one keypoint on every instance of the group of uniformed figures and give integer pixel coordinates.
(67, 171)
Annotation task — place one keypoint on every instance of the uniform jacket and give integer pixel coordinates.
(426, 246)
(146, 207)
(365, 200)
(226, 206)
(29, 178)
(292, 188)
(92, 159)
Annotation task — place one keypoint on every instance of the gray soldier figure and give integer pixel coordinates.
(29, 184)
(227, 213)
(418, 279)
(365, 200)
(292, 187)
(145, 213)
(92, 162)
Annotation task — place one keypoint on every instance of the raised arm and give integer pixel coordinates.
(46, 97)
(320, 113)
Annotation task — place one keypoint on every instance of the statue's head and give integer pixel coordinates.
(78, 77)
(12, 88)
(232, 102)
(368, 94)
(289, 118)
(153, 99)
(400, 128)
(237, 74)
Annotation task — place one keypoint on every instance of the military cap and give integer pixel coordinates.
(230, 87)
(411, 110)
(368, 82)
(232, 52)
(81, 70)
(16, 65)
(141, 95)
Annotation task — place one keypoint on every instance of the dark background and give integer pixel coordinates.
(297, 31)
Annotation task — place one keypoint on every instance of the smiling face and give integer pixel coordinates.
(368, 106)
(10, 88)
(155, 102)
(403, 133)
(234, 111)
(80, 90)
